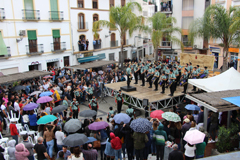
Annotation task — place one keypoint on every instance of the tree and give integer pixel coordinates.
(123, 19)
(218, 23)
(162, 27)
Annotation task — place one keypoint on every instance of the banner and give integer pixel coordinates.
(197, 59)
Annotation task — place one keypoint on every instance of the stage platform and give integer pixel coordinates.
(155, 98)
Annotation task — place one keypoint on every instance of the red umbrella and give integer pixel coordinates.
(157, 114)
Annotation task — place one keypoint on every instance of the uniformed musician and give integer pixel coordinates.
(136, 72)
(142, 71)
(119, 101)
(156, 78)
(163, 81)
(171, 82)
(194, 76)
(184, 80)
(129, 74)
(150, 75)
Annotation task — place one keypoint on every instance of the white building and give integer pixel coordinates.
(34, 34)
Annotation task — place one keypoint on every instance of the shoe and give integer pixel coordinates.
(135, 83)
(142, 85)
(183, 92)
(193, 90)
(162, 92)
(155, 89)
(150, 87)
(169, 95)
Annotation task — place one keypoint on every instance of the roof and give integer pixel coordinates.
(94, 64)
(228, 80)
(22, 76)
(214, 101)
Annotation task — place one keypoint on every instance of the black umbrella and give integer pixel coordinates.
(17, 88)
(59, 108)
(88, 113)
(74, 140)
(72, 125)
(66, 81)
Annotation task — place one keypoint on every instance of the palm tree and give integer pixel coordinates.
(162, 27)
(122, 19)
(218, 23)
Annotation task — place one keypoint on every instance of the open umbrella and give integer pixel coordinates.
(59, 109)
(47, 93)
(1, 74)
(192, 107)
(194, 137)
(157, 114)
(74, 140)
(30, 106)
(17, 88)
(121, 117)
(91, 139)
(67, 81)
(46, 119)
(98, 125)
(44, 99)
(88, 113)
(141, 125)
(72, 125)
(171, 116)
(35, 93)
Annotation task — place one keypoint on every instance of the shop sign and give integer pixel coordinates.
(235, 50)
(52, 60)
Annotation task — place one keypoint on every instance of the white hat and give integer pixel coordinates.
(186, 120)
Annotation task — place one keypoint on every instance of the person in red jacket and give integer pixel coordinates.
(13, 130)
(116, 145)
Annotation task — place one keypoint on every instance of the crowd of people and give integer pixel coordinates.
(74, 90)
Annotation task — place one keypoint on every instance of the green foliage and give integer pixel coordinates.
(162, 27)
(226, 137)
(15, 83)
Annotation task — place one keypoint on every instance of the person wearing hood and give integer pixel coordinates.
(109, 151)
(13, 130)
(29, 146)
(11, 149)
(128, 133)
(160, 138)
(185, 127)
(139, 140)
(21, 153)
(116, 145)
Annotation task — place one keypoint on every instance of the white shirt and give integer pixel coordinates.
(25, 118)
(190, 151)
(16, 106)
(46, 86)
(60, 137)
(3, 107)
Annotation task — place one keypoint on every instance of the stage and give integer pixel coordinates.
(155, 98)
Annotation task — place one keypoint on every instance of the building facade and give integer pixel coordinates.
(34, 35)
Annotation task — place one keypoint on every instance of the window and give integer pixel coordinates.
(80, 3)
(95, 18)
(32, 41)
(111, 56)
(113, 42)
(95, 4)
(54, 9)
(122, 3)
(111, 2)
(185, 41)
(29, 12)
(81, 21)
(3, 47)
(188, 5)
(186, 21)
(82, 37)
(56, 40)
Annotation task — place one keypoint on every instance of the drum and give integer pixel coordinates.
(153, 79)
(183, 82)
(202, 76)
(170, 83)
(148, 75)
(161, 83)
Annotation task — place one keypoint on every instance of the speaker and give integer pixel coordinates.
(145, 102)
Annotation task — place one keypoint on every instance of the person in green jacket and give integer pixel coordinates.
(200, 150)
(160, 137)
(139, 140)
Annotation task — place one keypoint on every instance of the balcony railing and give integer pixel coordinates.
(167, 8)
(2, 13)
(56, 15)
(113, 43)
(97, 45)
(82, 25)
(166, 44)
(186, 43)
(34, 49)
(6, 55)
(30, 14)
(58, 46)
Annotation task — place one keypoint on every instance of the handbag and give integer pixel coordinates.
(96, 144)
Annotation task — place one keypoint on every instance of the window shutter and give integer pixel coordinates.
(3, 47)
(56, 33)
(32, 35)
(54, 9)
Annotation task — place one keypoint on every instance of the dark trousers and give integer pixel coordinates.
(212, 131)
(160, 151)
(89, 97)
(172, 88)
(188, 158)
(147, 151)
(150, 81)
(103, 146)
(130, 153)
(15, 138)
(75, 114)
(194, 88)
(156, 83)
(78, 99)
(185, 88)
(94, 117)
(128, 80)
(119, 106)
(136, 77)
(143, 79)
(139, 154)
(163, 87)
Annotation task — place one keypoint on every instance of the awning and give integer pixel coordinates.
(87, 59)
(94, 64)
(56, 33)
(32, 35)
(22, 76)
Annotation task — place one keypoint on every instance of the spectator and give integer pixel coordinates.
(175, 154)
(21, 152)
(32, 120)
(117, 146)
(48, 137)
(65, 152)
(11, 149)
(40, 149)
(59, 135)
(61, 155)
(90, 153)
(139, 140)
(160, 137)
(200, 115)
(79, 44)
(87, 43)
(200, 148)
(13, 130)
(189, 151)
(1, 153)
(76, 155)
(29, 146)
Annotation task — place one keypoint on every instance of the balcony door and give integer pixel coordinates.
(56, 40)
(29, 12)
(113, 40)
(32, 46)
(54, 10)
(81, 21)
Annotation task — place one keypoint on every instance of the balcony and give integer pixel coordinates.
(97, 45)
(166, 7)
(30, 15)
(82, 26)
(6, 56)
(56, 15)
(166, 45)
(58, 46)
(187, 44)
(2, 14)
(34, 49)
(113, 44)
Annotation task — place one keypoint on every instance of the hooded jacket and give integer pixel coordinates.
(160, 135)
(115, 142)
(11, 149)
(21, 152)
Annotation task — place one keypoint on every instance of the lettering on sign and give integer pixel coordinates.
(52, 60)
(88, 54)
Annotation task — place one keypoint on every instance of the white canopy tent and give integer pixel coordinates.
(228, 80)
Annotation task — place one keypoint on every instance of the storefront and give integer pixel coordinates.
(36, 65)
(234, 57)
(53, 63)
(168, 54)
(216, 52)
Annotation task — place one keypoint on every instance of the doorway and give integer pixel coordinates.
(33, 67)
(66, 61)
(234, 58)
(216, 60)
